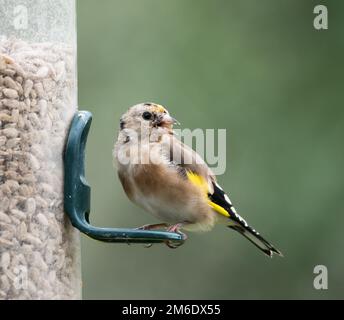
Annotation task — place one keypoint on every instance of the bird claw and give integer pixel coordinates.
(173, 244)
(174, 229)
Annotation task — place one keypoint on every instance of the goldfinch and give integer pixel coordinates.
(171, 181)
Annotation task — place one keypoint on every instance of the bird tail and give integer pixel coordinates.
(254, 237)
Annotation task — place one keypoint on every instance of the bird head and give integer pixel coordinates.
(145, 117)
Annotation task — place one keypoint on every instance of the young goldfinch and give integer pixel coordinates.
(171, 181)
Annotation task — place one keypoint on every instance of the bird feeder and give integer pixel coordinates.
(43, 190)
(39, 248)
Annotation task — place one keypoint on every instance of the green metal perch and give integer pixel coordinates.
(77, 193)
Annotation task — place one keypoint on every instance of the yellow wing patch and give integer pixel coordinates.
(219, 209)
(200, 182)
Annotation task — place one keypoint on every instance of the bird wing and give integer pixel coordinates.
(191, 166)
(186, 158)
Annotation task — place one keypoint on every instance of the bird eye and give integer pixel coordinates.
(147, 115)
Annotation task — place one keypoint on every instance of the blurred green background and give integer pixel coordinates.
(258, 69)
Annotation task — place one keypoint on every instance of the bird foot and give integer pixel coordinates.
(148, 227)
(176, 229)
(173, 245)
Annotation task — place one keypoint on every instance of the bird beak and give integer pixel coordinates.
(166, 120)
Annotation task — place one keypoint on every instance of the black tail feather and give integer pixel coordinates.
(256, 239)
